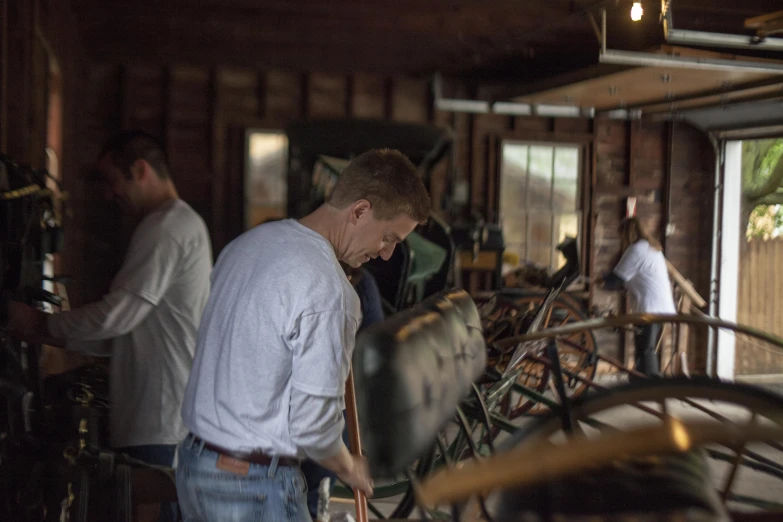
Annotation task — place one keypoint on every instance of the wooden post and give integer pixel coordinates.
(685, 285)
(680, 366)
(690, 298)
(356, 443)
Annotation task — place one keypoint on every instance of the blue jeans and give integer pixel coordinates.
(207, 494)
(159, 455)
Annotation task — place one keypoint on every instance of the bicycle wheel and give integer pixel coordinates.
(459, 441)
(400, 487)
(577, 353)
(636, 404)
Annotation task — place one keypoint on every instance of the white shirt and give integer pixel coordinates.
(150, 318)
(274, 346)
(643, 270)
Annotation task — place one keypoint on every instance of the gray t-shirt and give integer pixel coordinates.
(150, 317)
(274, 346)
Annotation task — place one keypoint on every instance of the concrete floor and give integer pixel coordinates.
(748, 482)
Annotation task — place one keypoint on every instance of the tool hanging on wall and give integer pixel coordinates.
(630, 207)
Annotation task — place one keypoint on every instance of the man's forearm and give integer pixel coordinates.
(613, 282)
(114, 315)
(340, 463)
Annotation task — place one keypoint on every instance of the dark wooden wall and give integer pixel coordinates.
(41, 68)
(668, 166)
(41, 63)
(36, 36)
(670, 169)
(201, 114)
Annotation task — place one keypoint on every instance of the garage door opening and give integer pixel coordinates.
(760, 285)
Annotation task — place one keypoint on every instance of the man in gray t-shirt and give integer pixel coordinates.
(148, 321)
(274, 348)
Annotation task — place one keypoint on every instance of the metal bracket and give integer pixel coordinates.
(641, 59)
(707, 39)
(596, 29)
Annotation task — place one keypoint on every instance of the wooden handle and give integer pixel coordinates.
(542, 460)
(360, 498)
(641, 319)
(686, 286)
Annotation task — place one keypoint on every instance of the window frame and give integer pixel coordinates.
(580, 206)
(247, 165)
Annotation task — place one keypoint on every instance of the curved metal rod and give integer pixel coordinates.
(485, 416)
(552, 461)
(463, 422)
(641, 320)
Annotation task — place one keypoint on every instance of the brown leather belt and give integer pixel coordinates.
(255, 457)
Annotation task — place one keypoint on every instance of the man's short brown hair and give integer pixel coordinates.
(128, 146)
(388, 180)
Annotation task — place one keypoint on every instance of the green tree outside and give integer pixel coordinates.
(762, 187)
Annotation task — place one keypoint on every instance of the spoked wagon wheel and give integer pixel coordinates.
(459, 440)
(398, 489)
(649, 403)
(577, 354)
(464, 439)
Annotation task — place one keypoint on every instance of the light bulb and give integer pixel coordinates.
(637, 11)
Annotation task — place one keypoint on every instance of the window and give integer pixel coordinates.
(266, 184)
(539, 199)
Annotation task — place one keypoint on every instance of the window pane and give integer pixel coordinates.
(519, 250)
(265, 180)
(566, 176)
(540, 188)
(540, 228)
(514, 229)
(539, 200)
(513, 177)
(539, 255)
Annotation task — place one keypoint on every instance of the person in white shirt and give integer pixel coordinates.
(148, 321)
(274, 348)
(642, 270)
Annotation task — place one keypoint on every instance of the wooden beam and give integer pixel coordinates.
(586, 71)
(769, 93)
(686, 286)
(766, 24)
(766, 85)
(312, 35)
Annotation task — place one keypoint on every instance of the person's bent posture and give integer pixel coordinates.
(275, 344)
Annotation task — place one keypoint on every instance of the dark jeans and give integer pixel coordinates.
(159, 455)
(645, 357)
(315, 473)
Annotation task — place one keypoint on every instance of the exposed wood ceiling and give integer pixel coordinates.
(480, 39)
(658, 88)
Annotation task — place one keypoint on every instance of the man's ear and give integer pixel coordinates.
(139, 170)
(359, 209)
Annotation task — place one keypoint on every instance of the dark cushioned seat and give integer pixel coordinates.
(410, 373)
